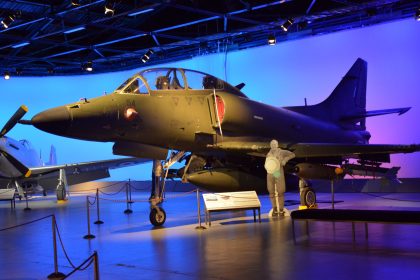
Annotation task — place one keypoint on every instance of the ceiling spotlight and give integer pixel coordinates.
(7, 21)
(417, 17)
(147, 56)
(271, 40)
(88, 66)
(75, 2)
(6, 75)
(285, 26)
(110, 7)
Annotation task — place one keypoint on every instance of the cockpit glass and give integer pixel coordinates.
(136, 87)
(157, 79)
(133, 86)
(124, 84)
(197, 80)
(164, 79)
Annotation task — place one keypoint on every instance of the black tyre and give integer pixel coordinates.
(308, 197)
(157, 218)
(61, 193)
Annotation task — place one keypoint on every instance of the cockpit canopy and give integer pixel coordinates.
(173, 79)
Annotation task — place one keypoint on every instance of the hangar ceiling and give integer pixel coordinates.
(52, 37)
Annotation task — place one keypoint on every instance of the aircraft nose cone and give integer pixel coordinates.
(55, 120)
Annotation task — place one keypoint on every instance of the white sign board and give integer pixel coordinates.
(7, 194)
(231, 200)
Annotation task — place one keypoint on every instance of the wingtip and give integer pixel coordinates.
(28, 173)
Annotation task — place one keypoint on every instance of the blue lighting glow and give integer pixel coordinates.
(74, 30)
(282, 75)
(20, 45)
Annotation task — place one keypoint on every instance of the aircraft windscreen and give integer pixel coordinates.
(198, 80)
(133, 86)
(164, 79)
(124, 84)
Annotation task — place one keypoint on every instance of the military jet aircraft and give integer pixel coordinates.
(227, 133)
(22, 168)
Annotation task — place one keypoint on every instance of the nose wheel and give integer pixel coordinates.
(157, 216)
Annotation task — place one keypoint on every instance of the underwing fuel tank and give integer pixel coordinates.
(226, 180)
(318, 171)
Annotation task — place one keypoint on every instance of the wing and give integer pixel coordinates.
(76, 168)
(319, 150)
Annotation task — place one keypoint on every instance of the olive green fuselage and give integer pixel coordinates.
(188, 121)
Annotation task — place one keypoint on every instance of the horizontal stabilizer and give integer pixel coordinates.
(398, 111)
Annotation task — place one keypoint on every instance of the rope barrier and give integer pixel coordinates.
(120, 190)
(27, 223)
(89, 190)
(56, 231)
(91, 259)
(91, 203)
(140, 189)
(62, 246)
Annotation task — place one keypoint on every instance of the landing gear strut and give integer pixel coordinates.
(61, 190)
(157, 215)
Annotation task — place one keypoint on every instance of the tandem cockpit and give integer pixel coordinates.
(157, 80)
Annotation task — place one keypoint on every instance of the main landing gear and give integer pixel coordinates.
(157, 215)
(307, 196)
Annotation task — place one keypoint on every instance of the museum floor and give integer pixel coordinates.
(234, 247)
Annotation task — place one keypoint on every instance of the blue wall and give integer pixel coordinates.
(281, 75)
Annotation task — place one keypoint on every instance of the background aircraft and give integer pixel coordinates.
(22, 168)
(227, 133)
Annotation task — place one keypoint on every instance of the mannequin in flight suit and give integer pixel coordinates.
(274, 162)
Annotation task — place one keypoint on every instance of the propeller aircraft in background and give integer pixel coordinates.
(22, 168)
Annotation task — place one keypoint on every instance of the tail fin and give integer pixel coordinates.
(53, 157)
(346, 101)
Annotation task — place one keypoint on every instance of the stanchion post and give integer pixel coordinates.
(128, 210)
(199, 211)
(98, 221)
(96, 266)
(332, 194)
(129, 191)
(89, 235)
(27, 208)
(56, 273)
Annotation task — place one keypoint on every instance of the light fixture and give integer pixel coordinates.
(7, 21)
(74, 30)
(285, 26)
(271, 39)
(75, 2)
(140, 12)
(417, 17)
(88, 66)
(20, 45)
(6, 75)
(147, 56)
(110, 7)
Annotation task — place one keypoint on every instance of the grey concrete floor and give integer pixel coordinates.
(234, 247)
